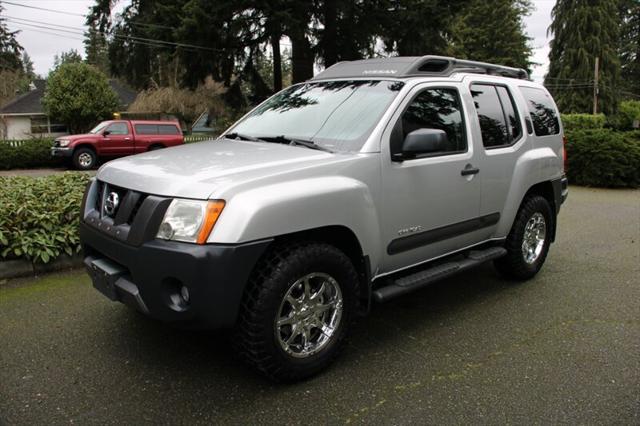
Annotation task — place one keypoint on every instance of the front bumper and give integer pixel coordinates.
(65, 152)
(149, 277)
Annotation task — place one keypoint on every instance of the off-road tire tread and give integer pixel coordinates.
(252, 331)
(512, 265)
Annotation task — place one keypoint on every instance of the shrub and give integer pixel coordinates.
(79, 95)
(628, 112)
(603, 157)
(39, 217)
(583, 121)
(27, 153)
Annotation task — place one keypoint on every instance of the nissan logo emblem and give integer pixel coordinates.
(111, 203)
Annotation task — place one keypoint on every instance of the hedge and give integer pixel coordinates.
(39, 217)
(583, 121)
(628, 113)
(603, 157)
(28, 153)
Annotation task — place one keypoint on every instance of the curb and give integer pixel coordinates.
(25, 268)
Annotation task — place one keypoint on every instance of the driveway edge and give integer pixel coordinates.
(26, 268)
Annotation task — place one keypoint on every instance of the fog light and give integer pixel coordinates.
(184, 292)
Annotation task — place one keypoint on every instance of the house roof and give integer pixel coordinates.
(31, 102)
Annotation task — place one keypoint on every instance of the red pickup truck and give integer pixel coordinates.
(117, 138)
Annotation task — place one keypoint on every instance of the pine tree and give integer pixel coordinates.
(96, 49)
(70, 57)
(630, 48)
(582, 31)
(10, 49)
(27, 66)
(493, 31)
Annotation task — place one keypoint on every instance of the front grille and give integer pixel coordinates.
(112, 199)
(134, 219)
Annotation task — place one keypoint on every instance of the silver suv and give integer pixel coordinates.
(370, 181)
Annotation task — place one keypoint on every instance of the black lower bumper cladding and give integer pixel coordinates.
(151, 277)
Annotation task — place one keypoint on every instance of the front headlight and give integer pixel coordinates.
(190, 220)
(63, 142)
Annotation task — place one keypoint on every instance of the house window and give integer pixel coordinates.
(39, 124)
(58, 128)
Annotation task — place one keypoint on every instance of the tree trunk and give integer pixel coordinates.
(277, 62)
(330, 38)
(301, 57)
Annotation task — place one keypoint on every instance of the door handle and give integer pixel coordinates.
(127, 139)
(469, 170)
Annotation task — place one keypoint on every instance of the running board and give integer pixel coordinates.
(420, 279)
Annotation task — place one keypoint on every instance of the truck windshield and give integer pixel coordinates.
(337, 115)
(99, 127)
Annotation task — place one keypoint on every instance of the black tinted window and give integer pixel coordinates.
(436, 109)
(146, 129)
(118, 129)
(543, 113)
(490, 115)
(513, 121)
(168, 129)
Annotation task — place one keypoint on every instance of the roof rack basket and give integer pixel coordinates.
(415, 66)
(445, 66)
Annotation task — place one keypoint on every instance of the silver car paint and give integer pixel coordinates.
(274, 189)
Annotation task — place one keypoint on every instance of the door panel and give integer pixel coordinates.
(431, 205)
(119, 141)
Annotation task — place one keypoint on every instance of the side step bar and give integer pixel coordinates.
(408, 283)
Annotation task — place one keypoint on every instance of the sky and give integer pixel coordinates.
(42, 44)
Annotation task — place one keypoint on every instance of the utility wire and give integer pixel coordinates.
(42, 8)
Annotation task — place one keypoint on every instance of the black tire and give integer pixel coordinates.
(514, 265)
(155, 147)
(257, 336)
(84, 159)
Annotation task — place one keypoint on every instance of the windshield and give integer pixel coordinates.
(337, 115)
(99, 127)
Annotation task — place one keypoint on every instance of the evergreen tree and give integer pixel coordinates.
(70, 57)
(582, 31)
(630, 48)
(10, 49)
(27, 66)
(493, 32)
(96, 49)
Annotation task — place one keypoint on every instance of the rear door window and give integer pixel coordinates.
(147, 129)
(514, 128)
(543, 112)
(493, 125)
(168, 129)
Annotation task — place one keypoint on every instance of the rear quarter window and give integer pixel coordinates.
(168, 129)
(543, 112)
(147, 129)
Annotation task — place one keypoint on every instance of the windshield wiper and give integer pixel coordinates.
(241, 136)
(299, 142)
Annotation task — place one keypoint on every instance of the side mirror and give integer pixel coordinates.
(106, 133)
(424, 141)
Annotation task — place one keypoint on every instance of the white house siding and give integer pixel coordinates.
(18, 127)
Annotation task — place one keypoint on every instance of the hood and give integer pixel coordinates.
(197, 170)
(80, 136)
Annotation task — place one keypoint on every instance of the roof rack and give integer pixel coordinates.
(416, 66)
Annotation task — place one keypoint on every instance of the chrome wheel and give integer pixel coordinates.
(535, 232)
(309, 315)
(85, 159)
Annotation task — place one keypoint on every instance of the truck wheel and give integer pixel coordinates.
(296, 313)
(84, 159)
(528, 241)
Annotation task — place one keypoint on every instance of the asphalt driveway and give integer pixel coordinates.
(562, 348)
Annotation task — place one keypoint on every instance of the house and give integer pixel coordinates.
(24, 116)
